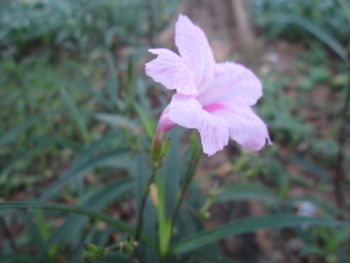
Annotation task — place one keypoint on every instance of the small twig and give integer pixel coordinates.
(8, 234)
(339, 169)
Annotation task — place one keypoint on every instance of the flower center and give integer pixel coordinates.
(213, 107)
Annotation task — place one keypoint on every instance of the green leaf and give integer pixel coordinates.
(103, 143)
(97, 200)
(9, 135)
(346, 7)
(116, 121)
(207, 257)
(248, 191)
(81, 169)
(146, 122)
(98, 96)
(112, 78)
(251, 224)
(172, 172)
(21, 258)
(71, 209)
(309, 166)
(315, 30)
(43, 142)
(86, 159)
(77, 117)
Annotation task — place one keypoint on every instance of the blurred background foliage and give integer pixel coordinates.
(330, 15)
(77, 111)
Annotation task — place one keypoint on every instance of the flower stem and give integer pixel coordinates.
(164, 223)
(158, 151)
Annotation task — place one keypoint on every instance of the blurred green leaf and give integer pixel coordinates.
(95, 199)
(112, 77)
(81, 169)
(309, 166)
(346, 7)
(43, 142)
(315, 30)
(206, 237)
(71, 209)
(247, 191)
(14, 131)
(21, 258)
(172, 172)
(147, 122)
(116, 121)
(77, 117)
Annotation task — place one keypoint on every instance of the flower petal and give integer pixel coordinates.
(188, 112)
(245, 127)
(164, 123)
(171, 71)
(194, 48)
(232, 83)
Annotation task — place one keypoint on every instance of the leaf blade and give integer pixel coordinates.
(246, 225)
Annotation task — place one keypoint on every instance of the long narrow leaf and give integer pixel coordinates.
(9, 135)
(247, 225)
(244, 191)
(43, 142)
(71, 209)
(84, 167)
(98, 199)
(77, 116)
(112, 78)
(346, 7)
(315, 30)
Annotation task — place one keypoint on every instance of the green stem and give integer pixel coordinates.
(164, 230)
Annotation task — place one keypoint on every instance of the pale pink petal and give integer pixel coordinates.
(245, 127)
(214, 135)
(188, 112)
(233, 83)
(194, 48)
(171, 71)
(164, 123)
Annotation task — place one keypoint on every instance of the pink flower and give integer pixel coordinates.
(215, 99)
